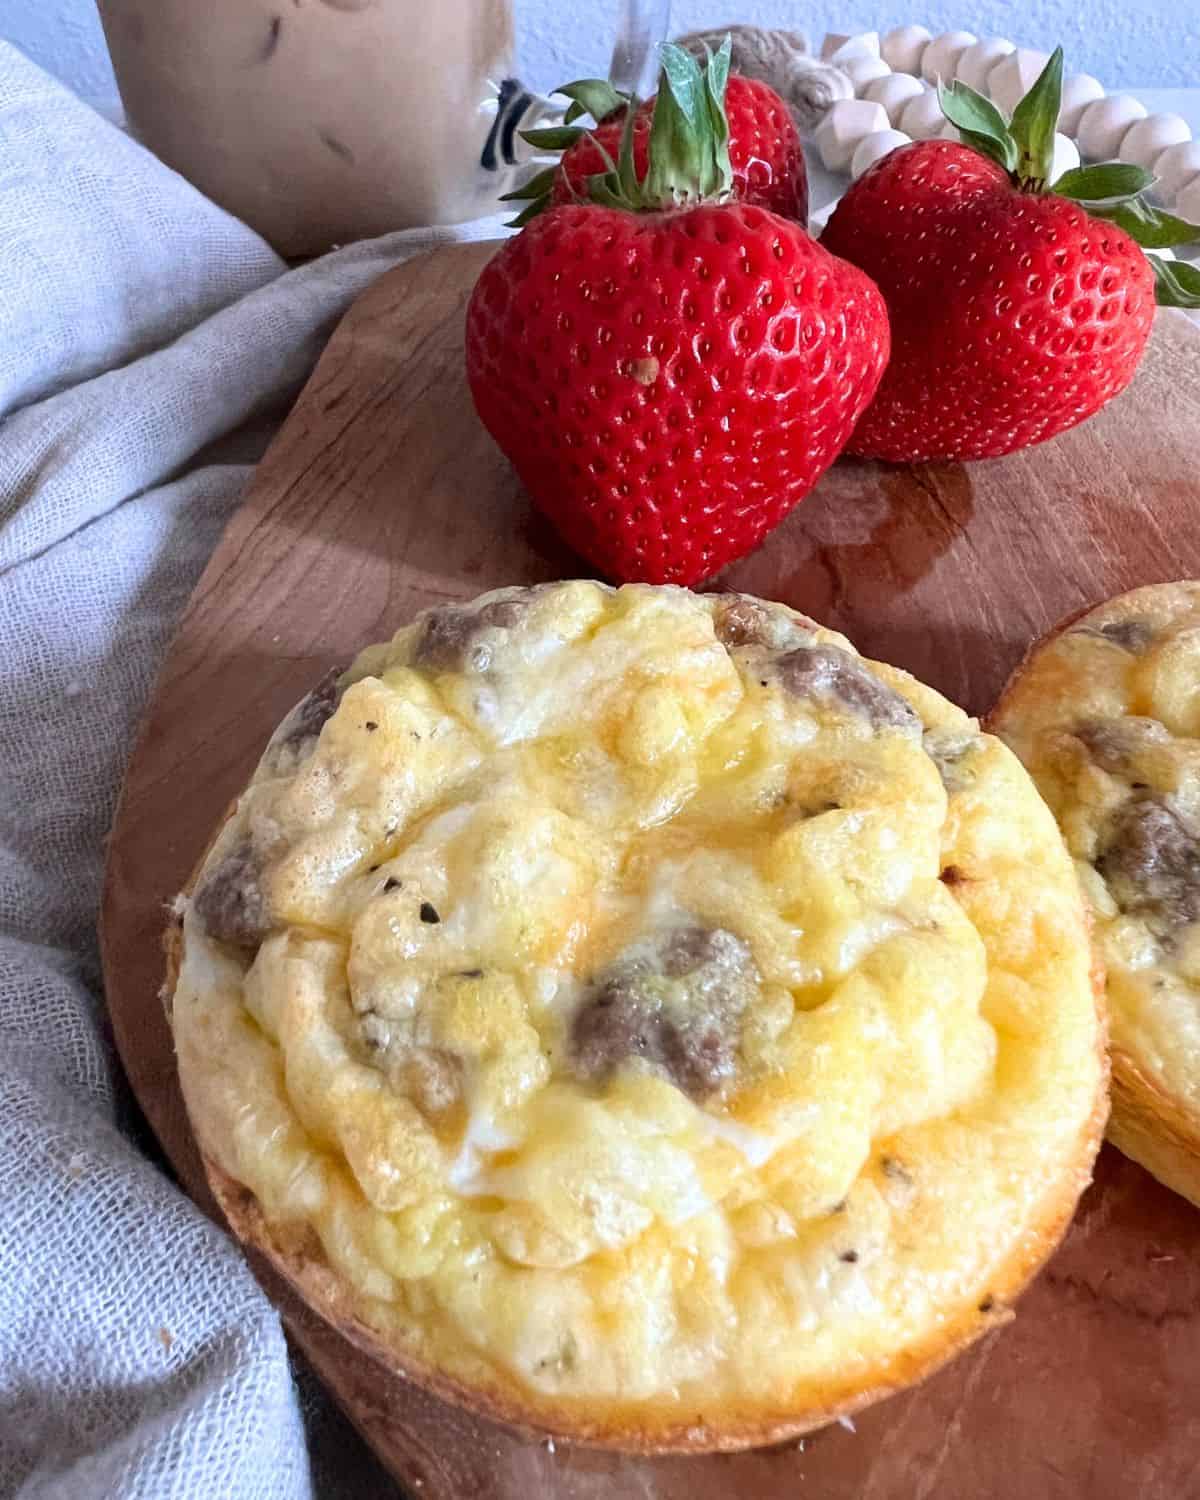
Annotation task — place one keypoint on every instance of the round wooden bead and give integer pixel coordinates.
(979, 59)
(1147, 139)
(1080, 90)
(864, 70)
(903, 48)
(940, 58)
(1066, 156)
(839, 48)
(1187, 201)
(874, 147)
(922, 117)
(844, 125)
(1175, 168)
(893, 92)
(1013, 76)
(1105, 124)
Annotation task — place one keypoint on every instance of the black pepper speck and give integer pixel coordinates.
(429, 912)
(896, 1170)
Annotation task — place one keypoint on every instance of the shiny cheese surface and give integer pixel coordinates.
(1107, 718)
(653, 1007)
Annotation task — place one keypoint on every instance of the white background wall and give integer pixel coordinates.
(1151, 42)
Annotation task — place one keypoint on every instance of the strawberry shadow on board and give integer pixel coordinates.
(864, 541)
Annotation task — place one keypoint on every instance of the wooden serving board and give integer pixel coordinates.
(382, 495)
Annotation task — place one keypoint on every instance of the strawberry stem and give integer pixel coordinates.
(591, 96)
(688, 147)
(980, 124)
(689, 138)
(1034, 122)
(1024, 147)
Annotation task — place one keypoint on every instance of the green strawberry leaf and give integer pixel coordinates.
(716, 71)
(556, 138)
(684, 82)
(1112, 190)
(673, 144)
(626, 170)
(588, 96)
(716, 79)
(979, 123)
(688, 147)
(1034, 122)
(1176, 283)
(538, 186)
(591, 96)
(527, 214)
(689, 136)
(1107, 183)
(1149, 226)
(535, 194)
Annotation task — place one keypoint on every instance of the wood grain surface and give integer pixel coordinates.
(382, 495)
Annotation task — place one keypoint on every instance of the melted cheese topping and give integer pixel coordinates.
(650, 1005)
(1107, 718)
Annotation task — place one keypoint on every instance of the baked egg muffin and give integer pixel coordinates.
(1106, 716)
(636, 1016)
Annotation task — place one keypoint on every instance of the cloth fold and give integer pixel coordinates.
(140, 328)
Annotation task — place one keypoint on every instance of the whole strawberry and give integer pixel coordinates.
(764, 146)
(670, 371)
(1015, 311)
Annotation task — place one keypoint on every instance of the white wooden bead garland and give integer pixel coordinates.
(894, 92)
(1105, 124)
(904, 48)
(1187, 202)
(1147, 139)
(1175, 168)
(1065, 158)
(1079, 90)
(873, 148)
(922, 117)
(979, 59)
(895, 80)
(940, 58)
(862, 71)
(1014, 76)
(847, 123)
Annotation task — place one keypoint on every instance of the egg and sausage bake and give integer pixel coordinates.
(1106, 715)
(637, 1016)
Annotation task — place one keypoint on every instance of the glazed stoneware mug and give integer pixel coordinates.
(324, 121)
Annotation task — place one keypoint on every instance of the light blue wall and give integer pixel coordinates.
(65, 37)
(1123, 42)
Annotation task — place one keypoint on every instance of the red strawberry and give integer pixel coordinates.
(1015, 312)
(764, 151)
(669, 383)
